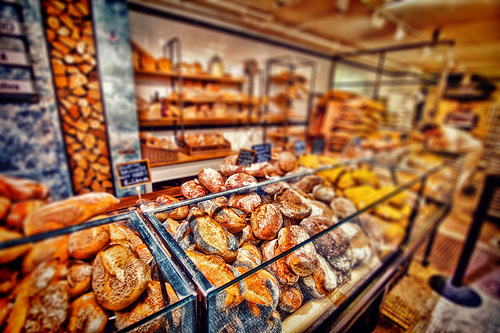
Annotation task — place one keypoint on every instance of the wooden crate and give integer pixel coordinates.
(159, 155)
(205, 149)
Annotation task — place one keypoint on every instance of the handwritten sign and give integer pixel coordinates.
(133, 173)
(263, 152)
(300, 147)
(318, 146)
(245, 157)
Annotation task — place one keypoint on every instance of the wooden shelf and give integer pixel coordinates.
(210, 100)
(184, 158)
(141, 74)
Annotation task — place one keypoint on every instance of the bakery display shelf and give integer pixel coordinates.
(178, 316)
(141, 74)
(367, 279)
(213, 100)
(185, 158)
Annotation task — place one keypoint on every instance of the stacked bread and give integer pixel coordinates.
(73, 282)
(230, 235)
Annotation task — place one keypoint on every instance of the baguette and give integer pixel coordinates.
(22, 189)
(55, 248)
(11, 253)
(20, 210)
(68, 212)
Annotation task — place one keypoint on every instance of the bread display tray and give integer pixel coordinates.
(159, 155)
(173, 311)
(246, 300)
(205, 149)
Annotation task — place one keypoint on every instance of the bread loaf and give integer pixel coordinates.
(279, 268)
(86, 315)
(183, 236)
(245, 202)
(266, 221)
(176, 214)
(291, 298)
(4, 206)
(323, 193)
(292, 204)
(322, 282)
(255, 323)
(219, 273)
(343, 207)
(373, 231)
(239, 180)
(67, 212)
(119, 277)
(164, 65)
(20, 210)
(55, 248)
(11, 253)
(307, 183)
(193, 189)
(302, 261)
(259, 170)
(228, 166)
(211, 180)
(287, 161)
(17, 189)
(85, 244)
(79, 278)
(231, 218)
(211, 237)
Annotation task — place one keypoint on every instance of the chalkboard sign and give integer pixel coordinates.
(318, 146)
(245, 157)
(300, 147)
(133, 173)
(263, 152)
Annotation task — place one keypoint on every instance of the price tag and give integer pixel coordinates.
(133, 173)
(8, 57)
(318, 146)
(245, 157)
(16, 87)
(10, 27)
(263, 152)
(300, 147)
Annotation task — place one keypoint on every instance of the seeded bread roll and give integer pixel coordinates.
(239, 180)
(85, 244)
(278, 269)
(193, 189)
(302, 261)
(67, 212)
(245, 202)
(218, 273)
(79, 277)
(211, 180)
(211, 237)
(86, 315)
(291, 298)
(322, 282)
(119, 277)
(266, 221)
(292, 204)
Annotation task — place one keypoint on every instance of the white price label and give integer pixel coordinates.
(8, 57)
(16, 87)
(10, 27)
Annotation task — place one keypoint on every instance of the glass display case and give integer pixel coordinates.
(306, 251)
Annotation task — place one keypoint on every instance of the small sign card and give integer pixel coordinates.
(318, 146)
(133, 173)
(245, 157)
(300, 147)
(263, 152)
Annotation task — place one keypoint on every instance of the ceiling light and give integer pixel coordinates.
(377, 21)
(400, 33)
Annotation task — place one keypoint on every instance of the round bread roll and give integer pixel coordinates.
(193, 189)
(323, 193)
(266, 221)
(302, 261)
(240, 180)
(307, 183)
(292, 204)
(259, 170)
(291, 298)
(85, 244)
(228, 166)
(119, 277)
(287, 161)
(360, 243)
(343, 207)
(86, 315)
(245, 202)
(211, 180)
(279, 268)
(79, 277)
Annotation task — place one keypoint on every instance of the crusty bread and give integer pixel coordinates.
(178, 213)
(292, 204)
(20, 210)
(307, 183)
(287, 161)
(245, 202)
(278, 269)
(119, 277)
(239, 180)
(266, 221)
(193, 189)
(19, 312)
(228, 166)
(212, 180)
(219, 273)
(79, 277)
(67, 212)
(360, 244)
(85, 244)
(4, 206)
(302, 261)
(322, 282)
(86, 315)
(8, 279)
(55, 248)
(22, 189)
(12, 253)
(291, 298)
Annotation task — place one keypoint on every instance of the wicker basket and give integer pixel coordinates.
(159, 155)
(206, 149)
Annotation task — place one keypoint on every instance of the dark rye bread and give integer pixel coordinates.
(119, 277)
